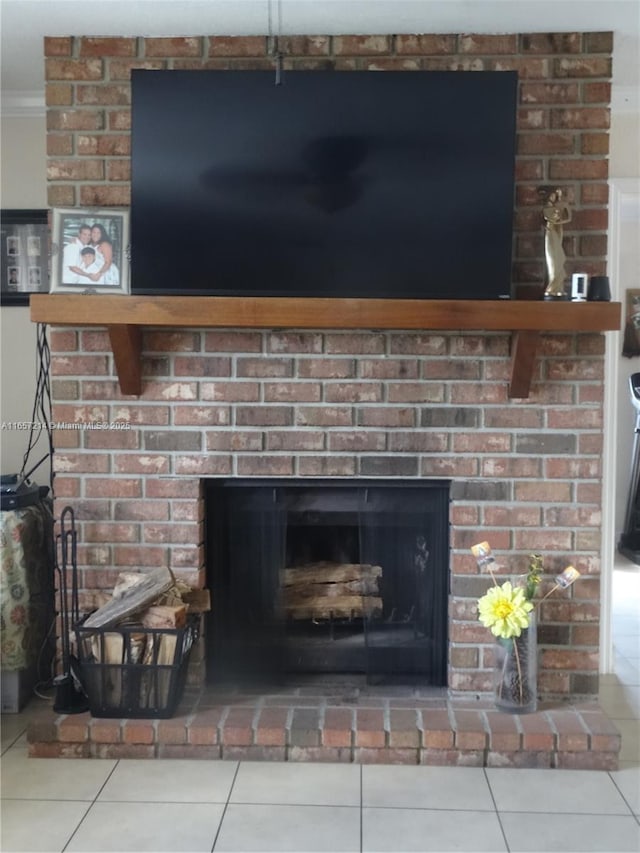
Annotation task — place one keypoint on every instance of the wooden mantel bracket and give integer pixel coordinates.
(524, 345)
(126, 316)
(126, 345)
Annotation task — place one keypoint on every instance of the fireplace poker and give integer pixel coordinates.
(70, 697)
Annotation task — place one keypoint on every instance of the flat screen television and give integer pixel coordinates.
(349, 184)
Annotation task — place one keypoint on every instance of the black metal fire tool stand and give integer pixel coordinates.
(70, 697)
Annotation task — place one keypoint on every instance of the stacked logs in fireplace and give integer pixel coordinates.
(326, 590)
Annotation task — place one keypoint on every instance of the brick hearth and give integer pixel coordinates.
(343, 724)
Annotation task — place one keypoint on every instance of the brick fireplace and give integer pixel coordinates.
(524, 474)
(403, 407)
(400, 405)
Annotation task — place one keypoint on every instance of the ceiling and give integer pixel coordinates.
(24, 23)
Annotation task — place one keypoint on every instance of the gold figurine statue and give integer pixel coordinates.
(556, 213)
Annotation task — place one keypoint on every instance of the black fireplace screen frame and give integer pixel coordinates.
(256, 528)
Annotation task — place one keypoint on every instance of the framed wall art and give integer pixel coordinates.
(90, 251)
(24, 255)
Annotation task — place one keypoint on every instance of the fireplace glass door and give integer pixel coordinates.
(328, 577)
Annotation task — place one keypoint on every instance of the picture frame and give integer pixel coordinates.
(90, 251)
(24, 255)
(631, 338)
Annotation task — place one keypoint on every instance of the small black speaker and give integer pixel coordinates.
(599, 289)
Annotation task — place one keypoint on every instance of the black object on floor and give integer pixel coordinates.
(70, 697)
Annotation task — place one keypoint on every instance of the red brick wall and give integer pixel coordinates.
(526, 473)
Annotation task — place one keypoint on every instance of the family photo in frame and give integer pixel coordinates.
(24, 255)
(90, 251)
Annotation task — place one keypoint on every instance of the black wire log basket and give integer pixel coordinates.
(135, 672)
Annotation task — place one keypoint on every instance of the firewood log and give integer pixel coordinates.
(297, 593)
(108, 649)
(125, 581)
(133, 600)
(326, 572)
(166, 655)
(164, 616)
(343, 607)
(199, 600)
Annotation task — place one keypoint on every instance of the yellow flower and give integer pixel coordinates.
(505, 610)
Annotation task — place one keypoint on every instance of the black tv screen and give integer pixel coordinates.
(350, 184)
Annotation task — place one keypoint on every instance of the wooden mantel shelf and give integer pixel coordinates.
(124, 317)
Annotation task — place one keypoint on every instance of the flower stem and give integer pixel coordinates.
(517, 656)
(504, 671)
(553, 589)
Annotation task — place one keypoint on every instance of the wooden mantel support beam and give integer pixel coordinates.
(126, 345)
(524, 345)
(125, 316)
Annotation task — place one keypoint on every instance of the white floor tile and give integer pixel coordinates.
(580, 791)
(155, 827)
(630, 731)
(621, 701)
(13, 726)
(627, 646)
(170, 781)
(294, 783)
(625, 599)
(621, 621)
(627, 779)
(622, 626)
(39, 826)
(289, 828)
(610, 679)
(571, 833)
(401, 786)
(52, 778)
(424, 830)
(626, 671)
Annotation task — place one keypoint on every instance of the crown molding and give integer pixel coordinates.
(22, 103)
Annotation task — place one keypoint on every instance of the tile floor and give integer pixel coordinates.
(88, 805)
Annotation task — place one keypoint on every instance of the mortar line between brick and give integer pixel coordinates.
(554, 731)
(520, 729)
(289, 723)
(254, 721)
(487, 728)
(223, 718)
(386, 718)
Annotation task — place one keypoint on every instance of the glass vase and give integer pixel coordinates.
(516, 671)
